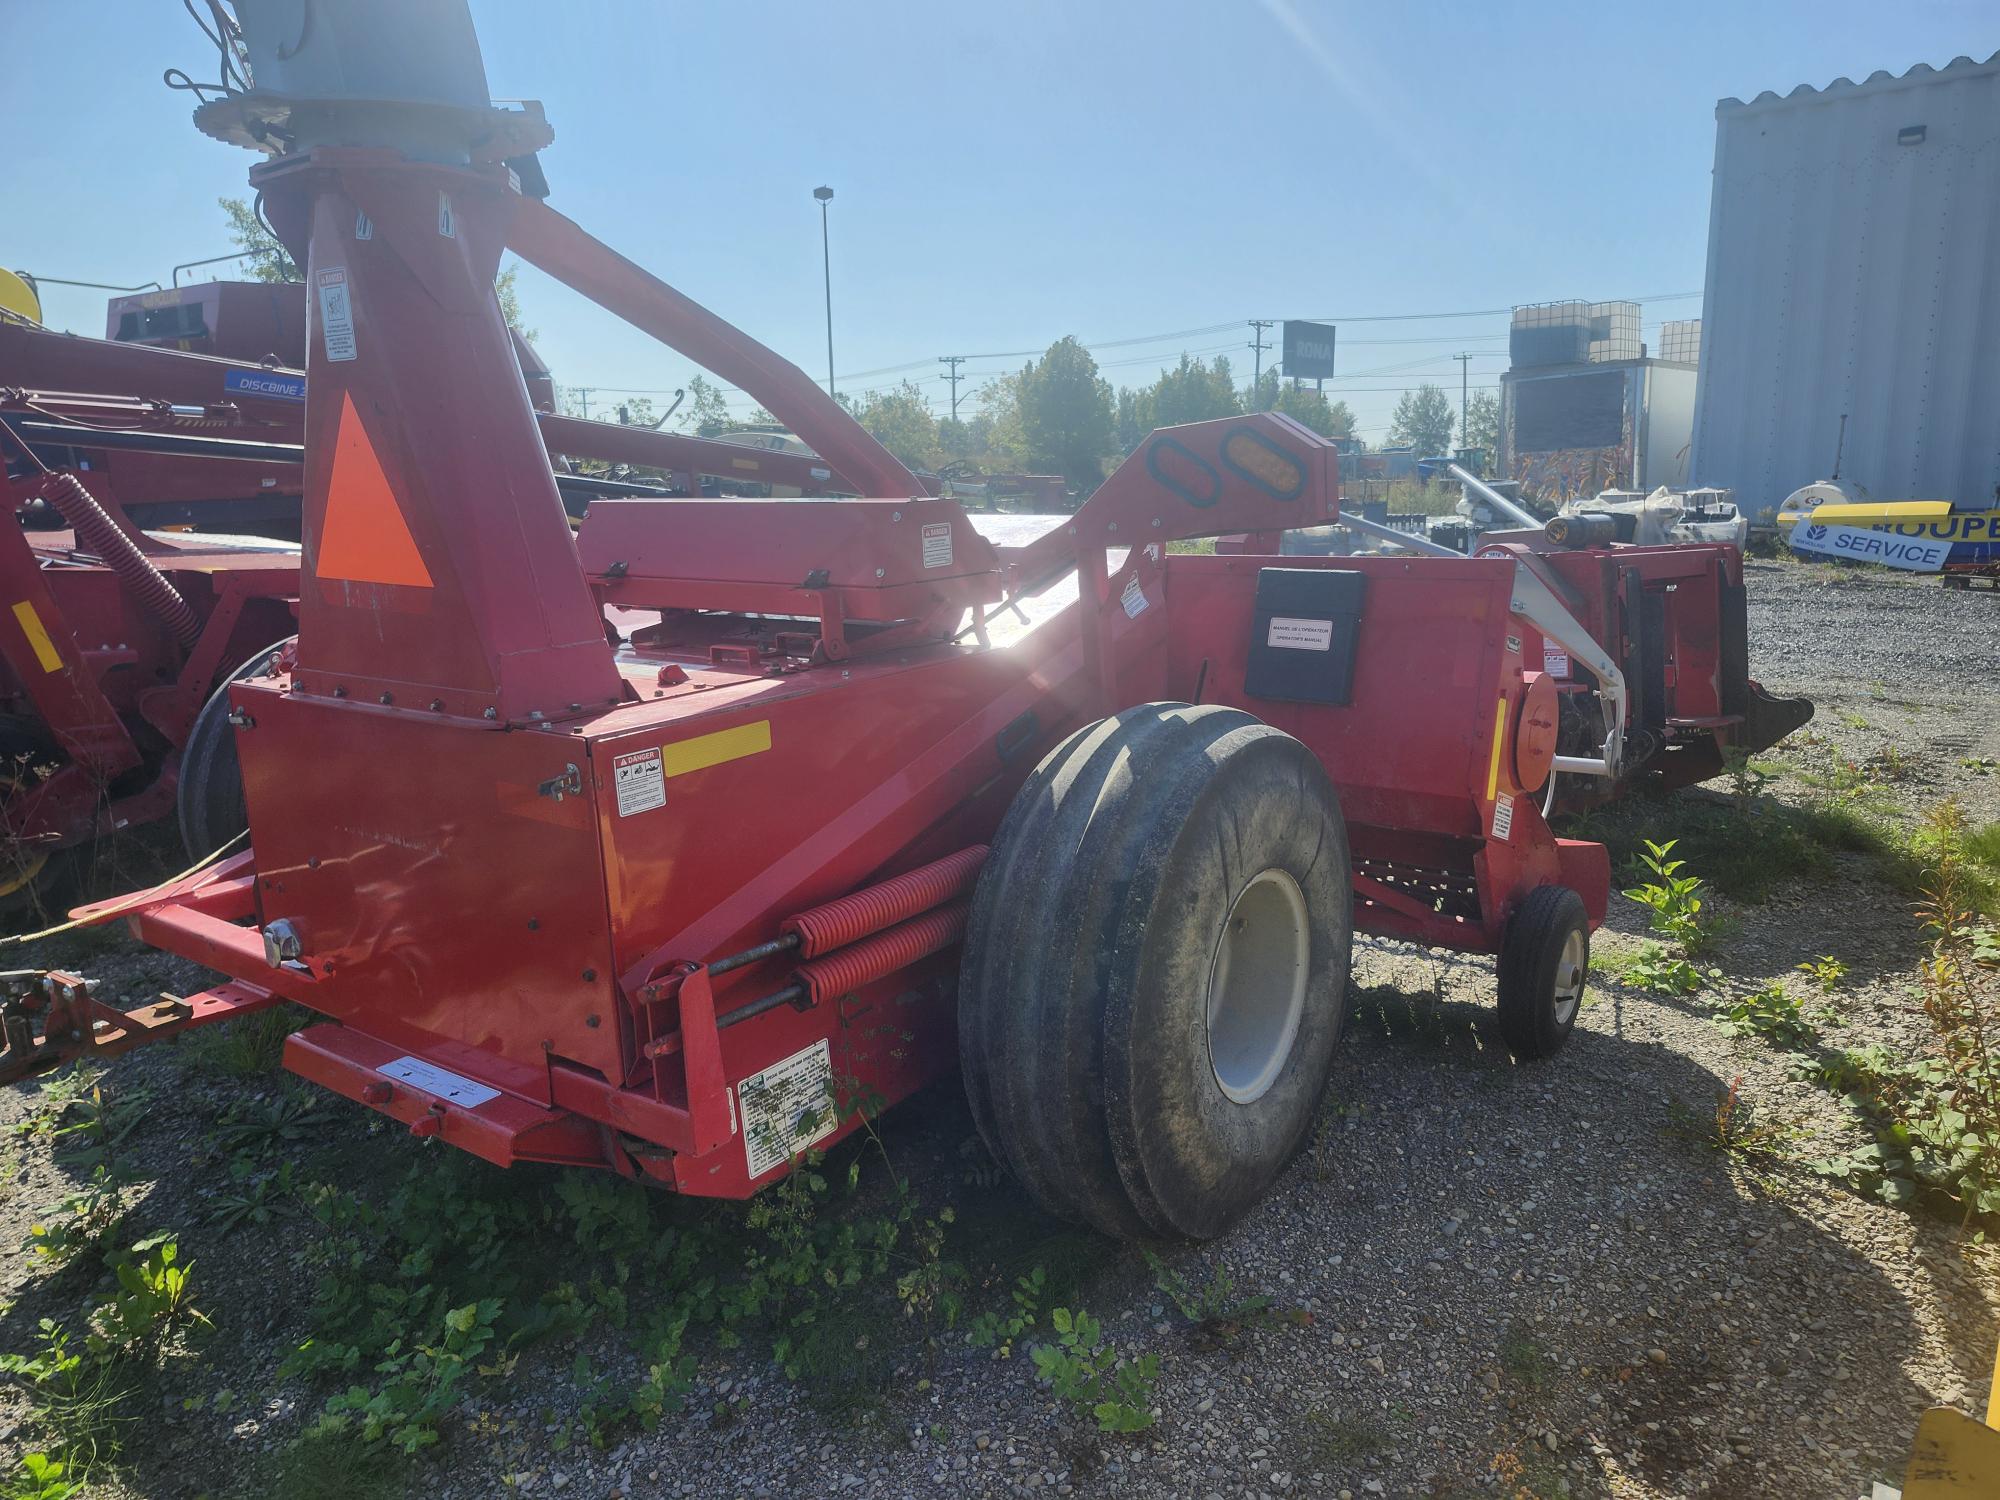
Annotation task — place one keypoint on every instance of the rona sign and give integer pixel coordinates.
(1308, 350)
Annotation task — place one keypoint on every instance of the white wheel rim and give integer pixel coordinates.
(1257, 986)
(1569, 978)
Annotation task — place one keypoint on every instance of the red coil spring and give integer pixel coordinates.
(872, 958)
(100, 534)
(838, 923)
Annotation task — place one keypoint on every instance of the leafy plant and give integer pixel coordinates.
(78, 1400)
(254, 1198)
(999, 1330)
(1671, 897)
(1086, 1370)
(1826, 971)
(1658, 972)
(152, 1306)
(423, 1382)
(1748, 777)
(1773, 1013)
(84, 1220)
(41, 1478)
(285, 1119)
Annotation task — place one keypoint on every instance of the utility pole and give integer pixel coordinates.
(1257, 371)
(1464, 364)
(953, 361)
(581, 393)
(825, 195)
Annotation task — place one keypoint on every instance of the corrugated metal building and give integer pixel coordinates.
(1854, 267)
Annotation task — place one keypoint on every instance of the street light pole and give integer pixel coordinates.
(824, 194)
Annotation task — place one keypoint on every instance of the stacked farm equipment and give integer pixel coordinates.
(671, 846)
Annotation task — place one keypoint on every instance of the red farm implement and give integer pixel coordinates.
(139, 571)
(659, 848)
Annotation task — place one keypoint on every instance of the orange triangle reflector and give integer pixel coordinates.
(364, 538)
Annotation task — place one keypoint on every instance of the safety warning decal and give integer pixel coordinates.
(336, 313)
(1555, 660)
(787, 1108)
(1300, 635)
(640, 781)
(1133, 600)
(1514, 645)
(1503, 819)
(937, 545)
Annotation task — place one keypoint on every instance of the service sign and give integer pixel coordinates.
(1914, 554)
(1308, 350)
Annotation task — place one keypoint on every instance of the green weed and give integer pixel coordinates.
(1085, 1369)
(998, 1330)
(1826, 971)
(1672, 899)
(1773, 1013)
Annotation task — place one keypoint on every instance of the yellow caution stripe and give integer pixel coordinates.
(1499, 738)
(38, 637)
(706, 750)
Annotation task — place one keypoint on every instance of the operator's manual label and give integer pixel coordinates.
(336, 313)
(937, 544)
(1300, 635)
(640, 781)
(787, 1108)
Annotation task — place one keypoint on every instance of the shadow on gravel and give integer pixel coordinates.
(1558, 1252)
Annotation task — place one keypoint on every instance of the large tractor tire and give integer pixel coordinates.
(210, 795)
(1155, 969)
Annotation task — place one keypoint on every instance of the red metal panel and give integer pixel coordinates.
(445, 904)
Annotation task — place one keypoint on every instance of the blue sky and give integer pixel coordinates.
(1006, 174)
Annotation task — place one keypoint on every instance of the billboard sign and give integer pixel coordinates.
(1308, 350)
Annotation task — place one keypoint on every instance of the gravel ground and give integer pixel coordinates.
(1497, 1279)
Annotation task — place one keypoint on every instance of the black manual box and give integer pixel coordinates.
(1302, 645)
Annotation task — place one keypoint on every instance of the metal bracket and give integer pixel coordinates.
(569, 784)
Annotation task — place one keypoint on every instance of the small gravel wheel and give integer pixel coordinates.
(1155, 968)
(209, 798)
(1544, 957)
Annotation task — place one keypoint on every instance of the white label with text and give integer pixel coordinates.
(937, 545)
(336, 313)
(787, 1108)
(1300, 635)
(640, 780)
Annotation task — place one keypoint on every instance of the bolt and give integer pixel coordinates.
(880, 571)
(591, 1021)
(437, 705)
(590, 976)
(534, 713)
(491, 712)
(534, 924)
(387, 698)
(1156, 520)
(339, 692)
(895, 515)
(313, 863)
(576, 708)
(1113, 526)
